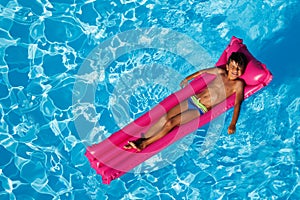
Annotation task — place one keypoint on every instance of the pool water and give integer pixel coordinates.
(51, 52)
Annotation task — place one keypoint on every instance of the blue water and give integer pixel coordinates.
(46, 44)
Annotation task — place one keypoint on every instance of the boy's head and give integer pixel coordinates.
(239, 58)
(236, 64)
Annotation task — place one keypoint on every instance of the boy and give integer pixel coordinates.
(226, 83)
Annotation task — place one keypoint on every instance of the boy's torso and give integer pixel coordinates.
(217, 91)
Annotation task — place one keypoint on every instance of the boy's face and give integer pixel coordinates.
(234, 70)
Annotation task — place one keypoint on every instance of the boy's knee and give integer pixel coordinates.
(171, 123)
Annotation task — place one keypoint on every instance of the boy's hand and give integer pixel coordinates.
(183, 83)
(231, 129)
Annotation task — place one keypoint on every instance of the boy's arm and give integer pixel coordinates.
(213, 70)
(237, 106)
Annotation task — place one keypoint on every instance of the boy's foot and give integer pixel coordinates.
(137, 144)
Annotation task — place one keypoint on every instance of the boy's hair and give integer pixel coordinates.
(239, 58)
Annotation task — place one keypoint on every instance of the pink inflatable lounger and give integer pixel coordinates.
(111, 160)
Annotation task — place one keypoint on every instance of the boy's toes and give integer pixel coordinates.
(138, 145)
(132, 144)
(127, 146)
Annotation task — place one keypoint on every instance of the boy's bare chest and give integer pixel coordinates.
(221, 83)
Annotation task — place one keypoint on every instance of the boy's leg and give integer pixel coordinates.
(182, 107)
(160, 126)
(182, 118)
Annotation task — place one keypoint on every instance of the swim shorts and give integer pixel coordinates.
(194, 104)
